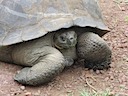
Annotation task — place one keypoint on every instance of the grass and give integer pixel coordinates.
(117, 1)
(126, 19)
(120, 1)
(118, 4)
(104, 93)
(126, 1)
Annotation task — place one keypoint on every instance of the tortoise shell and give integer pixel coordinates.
(23, 20)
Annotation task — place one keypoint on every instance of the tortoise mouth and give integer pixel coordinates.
(65, 46)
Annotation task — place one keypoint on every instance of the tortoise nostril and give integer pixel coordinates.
(69, 42)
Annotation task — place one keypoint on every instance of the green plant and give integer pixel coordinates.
(104, 93)
(126, 1)
(84, 93)
(117, 1)
(126, 19)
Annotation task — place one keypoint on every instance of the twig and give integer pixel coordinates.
(90, 85)
(119, 7)
(91, 77)
(117, 3)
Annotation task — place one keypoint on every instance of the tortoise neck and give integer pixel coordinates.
(53, 42)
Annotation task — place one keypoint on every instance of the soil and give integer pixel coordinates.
(76, 78)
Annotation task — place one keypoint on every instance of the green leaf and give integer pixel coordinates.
(126, 19)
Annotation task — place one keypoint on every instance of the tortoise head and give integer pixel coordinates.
(66, 39)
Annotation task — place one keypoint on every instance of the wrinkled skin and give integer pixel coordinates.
(94, 50)
(47, 56)
(42, 57)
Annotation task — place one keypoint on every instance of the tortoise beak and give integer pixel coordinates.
(69, 42)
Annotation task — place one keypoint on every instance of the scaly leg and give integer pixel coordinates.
(46, 62)
(94, 50)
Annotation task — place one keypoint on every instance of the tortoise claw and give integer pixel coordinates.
(21, 76)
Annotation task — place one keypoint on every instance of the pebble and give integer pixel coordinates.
(97, 72)
(28, 94)
(18, 71)
(111, 86)
(91, 71)
(16, 93)
(69, 91)
(25, 91)
(111, 77)
(107, 78)
(12, 89)
(37, 93)
(22, 87)
(82, 78)
(120, 71)
(116, 71)
(102, 71)
(127, 59)
(123, 9)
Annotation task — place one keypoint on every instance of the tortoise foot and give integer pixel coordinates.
(21, 76)
(98, 65)
(94, 50)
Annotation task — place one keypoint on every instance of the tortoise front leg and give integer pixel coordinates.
(47, 63)
(94, 50)
(5, 54)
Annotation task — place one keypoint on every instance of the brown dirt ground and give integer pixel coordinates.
(73, 80)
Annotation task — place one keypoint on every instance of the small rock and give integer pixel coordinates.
(112, 94)
(126, 33)
(25, 91)
(69, 86)
(127, 59)
(91, 71)
(120, 71)
(85, 85)
(28, 94)
(111, 86)
(110, 72)
(82, 78)
(111, 77)
(22, 87)
(18, 72)
(69, 91)
(11, 94)
(59, 88)
(17, 93)
(12, 90)
(107, 78)
(124, 41)
(124, 68)
(97, 72)
(123, 9)
(116, 71)
(37, 93)
(102, 71)
(83, 73)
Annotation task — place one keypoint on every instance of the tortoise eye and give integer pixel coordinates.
(71, 38)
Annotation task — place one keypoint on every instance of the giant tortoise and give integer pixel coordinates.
(45, 36)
